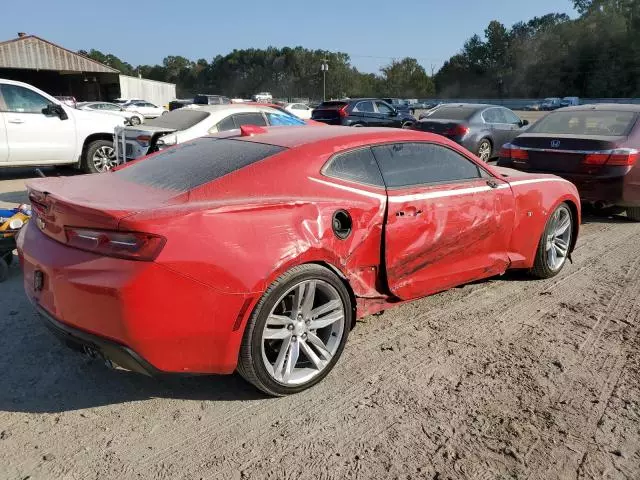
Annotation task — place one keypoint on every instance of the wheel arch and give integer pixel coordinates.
(90, 139)
(575, 228)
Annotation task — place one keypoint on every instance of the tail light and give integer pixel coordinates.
(143, 140)
(514, 152)
(343, 112)
(456, 131)
(619, 157)
(127, 245)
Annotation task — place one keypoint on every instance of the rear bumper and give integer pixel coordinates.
(85, 342)
(613, 187)
(176, 323)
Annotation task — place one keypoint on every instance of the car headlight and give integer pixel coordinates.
(167, 140)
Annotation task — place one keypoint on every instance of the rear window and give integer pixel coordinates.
(179, 119)
(195, 163)
(589, 122)
(452, 113)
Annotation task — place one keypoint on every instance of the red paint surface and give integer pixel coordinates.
(226, 241)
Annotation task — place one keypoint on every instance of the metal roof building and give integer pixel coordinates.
(62, 72)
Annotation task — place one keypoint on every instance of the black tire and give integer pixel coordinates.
(8, 258)
(135, 120)
(250, 362)
(485, 143)
(541, 268)
(4, 270)
(88, 165)
(407, 125)
(633, 213)
(357, 125)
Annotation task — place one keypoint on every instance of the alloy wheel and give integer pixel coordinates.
(303, 332)
(558, 238)
(484, 151)
(104, 159)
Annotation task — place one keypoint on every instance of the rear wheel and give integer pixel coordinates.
(633, 213)
(100, 156)
(484, 150)
(407, 125)
(297, 331)
(553, 249)
(4, 270)
(357, 125)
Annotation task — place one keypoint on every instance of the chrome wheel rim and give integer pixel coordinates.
(105, 159)
(484, 151)
(135, 121)
(558, 238)
(303, 332)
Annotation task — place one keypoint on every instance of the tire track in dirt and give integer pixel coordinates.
(348, 398)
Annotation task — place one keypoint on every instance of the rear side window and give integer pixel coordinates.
(366, 107)
(590, 122)
(249, 119)
(407, 164)
(358, 166)
(195, 163)
(226, 124)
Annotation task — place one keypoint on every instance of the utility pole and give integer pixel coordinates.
(324, 68)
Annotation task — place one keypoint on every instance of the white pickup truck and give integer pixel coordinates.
(37, 129)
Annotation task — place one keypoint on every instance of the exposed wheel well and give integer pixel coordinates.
(574, 234)
(347, 285)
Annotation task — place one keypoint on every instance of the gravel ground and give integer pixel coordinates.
(503, 379)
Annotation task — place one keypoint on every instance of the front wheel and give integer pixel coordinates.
(297, 331)
(135, 120)
(100, 156)
(555, 243)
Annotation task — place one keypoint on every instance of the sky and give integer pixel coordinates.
(371, 32)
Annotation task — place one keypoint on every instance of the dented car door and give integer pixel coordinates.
(448, 220)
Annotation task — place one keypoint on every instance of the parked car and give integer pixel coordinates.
(69, 101)
(282, 255)
(423, 105)
(132, 118)
(263, 97)
(122, 101)
(146, 109)
(299, 110)
(594, 146)
(481, 129)
(401, 106)
(204, 99)
(361, 112)
(569, 102)
(551, 103)
(533, 107)
(186, 124)
(179, 103)
(37, 129)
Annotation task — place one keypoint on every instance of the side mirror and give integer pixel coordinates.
(394, 113)
(54, 110)
(524, 123)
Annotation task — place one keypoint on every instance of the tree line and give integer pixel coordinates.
(595, 55)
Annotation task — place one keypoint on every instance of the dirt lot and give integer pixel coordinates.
(503, 379)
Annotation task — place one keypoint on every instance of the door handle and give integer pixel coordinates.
(15, 120)
(492, 183)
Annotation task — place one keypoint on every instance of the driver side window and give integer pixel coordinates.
(22, 100)
(384, 108)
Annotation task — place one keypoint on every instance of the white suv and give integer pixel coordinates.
(37, 129)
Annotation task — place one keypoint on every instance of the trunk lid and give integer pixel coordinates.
(328, 112)
(563, 153)
(439, 126)
(91, 201)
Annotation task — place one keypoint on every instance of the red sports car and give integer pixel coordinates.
(256, 252)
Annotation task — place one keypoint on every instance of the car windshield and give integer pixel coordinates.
(195, 163)
(452, 113)
(179, 119)
(591, 122)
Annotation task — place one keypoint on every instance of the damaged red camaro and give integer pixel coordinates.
(258, 251)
